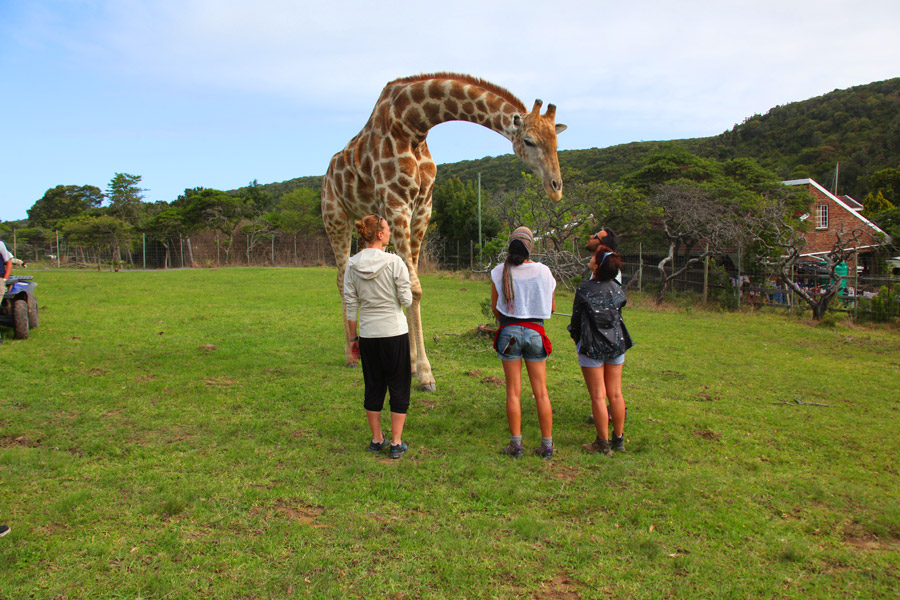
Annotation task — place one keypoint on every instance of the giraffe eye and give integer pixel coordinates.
(529, 143)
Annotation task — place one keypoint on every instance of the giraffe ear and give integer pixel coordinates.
(517, 120)
(560, 128)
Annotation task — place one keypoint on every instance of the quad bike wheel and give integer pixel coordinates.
(20, 319)
(32, 312)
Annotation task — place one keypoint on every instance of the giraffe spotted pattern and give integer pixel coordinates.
(386, 169)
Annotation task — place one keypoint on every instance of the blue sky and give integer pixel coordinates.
(217, 93)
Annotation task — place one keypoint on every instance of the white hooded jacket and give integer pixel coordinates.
(376, 284)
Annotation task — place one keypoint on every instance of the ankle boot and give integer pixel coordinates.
(601, 446)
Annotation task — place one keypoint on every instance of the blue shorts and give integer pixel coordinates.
(586, 361)
(516, 342)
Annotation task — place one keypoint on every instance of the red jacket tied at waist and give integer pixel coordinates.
(548, 347)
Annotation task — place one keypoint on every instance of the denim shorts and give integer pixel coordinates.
(586, 361)
(520, 342)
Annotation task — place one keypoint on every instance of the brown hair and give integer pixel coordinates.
(368, 228)
(607, 263)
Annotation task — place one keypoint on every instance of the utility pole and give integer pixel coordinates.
(479, 220)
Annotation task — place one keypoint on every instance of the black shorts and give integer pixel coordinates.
(386, 367)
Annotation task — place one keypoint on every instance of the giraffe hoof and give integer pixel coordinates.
(427, 387)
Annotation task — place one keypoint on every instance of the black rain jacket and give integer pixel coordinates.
(597, 320)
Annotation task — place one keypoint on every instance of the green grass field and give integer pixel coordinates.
(195, 434)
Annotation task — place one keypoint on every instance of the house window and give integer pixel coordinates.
(822, 216)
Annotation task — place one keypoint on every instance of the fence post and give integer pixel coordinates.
(740, 281)
(855, 284)
(144, 249)
(790, 293)
(706, 276)
(57, 248)
(641, 267)
(471, 254)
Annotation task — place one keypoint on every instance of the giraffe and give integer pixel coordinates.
(386, 169)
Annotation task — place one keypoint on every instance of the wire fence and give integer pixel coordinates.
(874, 297)
(722, 280)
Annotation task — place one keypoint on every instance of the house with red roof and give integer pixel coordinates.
(830, 214)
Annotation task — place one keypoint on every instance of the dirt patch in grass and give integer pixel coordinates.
(494, 381)
(566, 473)
(559, 588)
(308, 515)
(8, 441)
(859, 539)
(676, 375)
(707, 434)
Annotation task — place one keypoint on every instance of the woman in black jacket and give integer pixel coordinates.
(602, 339)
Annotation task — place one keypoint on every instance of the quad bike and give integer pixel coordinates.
(19, 306)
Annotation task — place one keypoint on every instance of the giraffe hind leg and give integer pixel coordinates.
(338, 226)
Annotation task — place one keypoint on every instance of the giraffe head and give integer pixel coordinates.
(534, 141)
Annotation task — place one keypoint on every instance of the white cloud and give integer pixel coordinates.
(188, 74)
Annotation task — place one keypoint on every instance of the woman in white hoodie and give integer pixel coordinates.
(376, 287)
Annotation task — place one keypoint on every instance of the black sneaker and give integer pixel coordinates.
(379, 446)
(617, 443)
(544, 452)
(398, 450)
(514, 451)
(4, 529)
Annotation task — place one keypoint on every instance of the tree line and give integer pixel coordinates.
(691, 206)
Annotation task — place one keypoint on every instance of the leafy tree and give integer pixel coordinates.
(298, 212)
(889, 222)
(887, 183)
(877, 203)
(63, 202)
(556, 224)
(622, 208)
(213, 209)
(455, 211)
(164, 223)
(125, 197)
(96, 231)
(34, 237)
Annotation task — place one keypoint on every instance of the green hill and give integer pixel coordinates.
(858, 127)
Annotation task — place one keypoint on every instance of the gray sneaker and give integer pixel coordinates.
(4, 529)
(513, 451)
(544, 452)
(617, 443)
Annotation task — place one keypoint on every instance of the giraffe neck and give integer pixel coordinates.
(420, 105)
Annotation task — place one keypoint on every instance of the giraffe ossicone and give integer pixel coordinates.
(386, 169)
